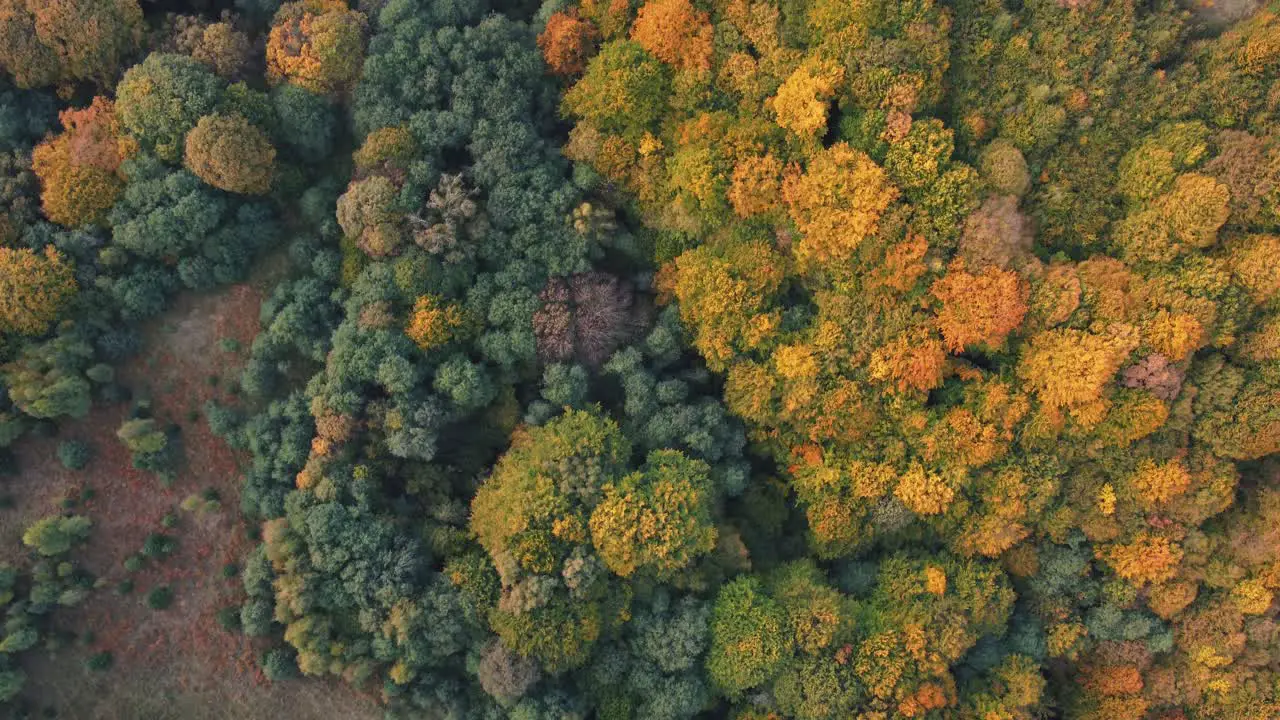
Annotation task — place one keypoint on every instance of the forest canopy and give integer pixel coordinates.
(660, 359)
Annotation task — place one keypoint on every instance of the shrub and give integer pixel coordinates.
(278, 664)
(160, 598)
(73, 454)
(229, 619)
(99, 662)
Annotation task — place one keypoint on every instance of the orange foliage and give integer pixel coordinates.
(34, 289)
(1148, 558)
(316, 44)
(837, 202)
(78, 169)
(979, 309)
(914, 361)
(567, 43)
(756, 184)
(675, 33)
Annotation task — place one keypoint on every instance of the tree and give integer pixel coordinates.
(161, 100)
(567, 43)
(433, 322)
(749, 643)
(78, 169)
(675, 33)
(60, 42)
(1072, 367)
(801, 102)
(657, 520)
(317, 45)
(585, 317)
(837, 202)
(979, 309)
(624, 90)
(55, 535)
(231, 154)
(35, 288)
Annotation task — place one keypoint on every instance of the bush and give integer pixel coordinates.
(73, 454)
(159, 546)
(160, 598)
(99, 662)
(278, 664)
(229, 619)
(125, 586)
(134, 563)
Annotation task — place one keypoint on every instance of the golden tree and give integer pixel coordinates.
(232, 154)
(34, 289)
(837, 202)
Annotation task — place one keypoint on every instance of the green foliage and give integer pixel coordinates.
(160, 597)
(55, 535)
(160, 101)
(74, 454)
(748, 642)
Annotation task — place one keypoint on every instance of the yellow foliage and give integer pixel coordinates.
(1072, 367)
(924, 492)
(34, 289)
(1064, 640)
(1251, 597)
(935, 580)
(1254, 265)
(837, 202)
(801, 102)
(1195, 209)
(1158, 484)
(433, 322)
(1175, 335)
(1107, 500)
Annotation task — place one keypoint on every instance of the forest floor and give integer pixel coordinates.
(177, 662)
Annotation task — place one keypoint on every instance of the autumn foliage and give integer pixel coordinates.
(34, 289)
(230, 153)
(79, 169)
(316, 44)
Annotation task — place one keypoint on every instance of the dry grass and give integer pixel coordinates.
(175, 663)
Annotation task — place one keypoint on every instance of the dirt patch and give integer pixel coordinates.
(177, 662)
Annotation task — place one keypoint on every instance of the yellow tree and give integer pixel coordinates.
(801, 102)
(837, 202)
(34, 289)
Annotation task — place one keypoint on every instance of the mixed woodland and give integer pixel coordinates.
(658, 359)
